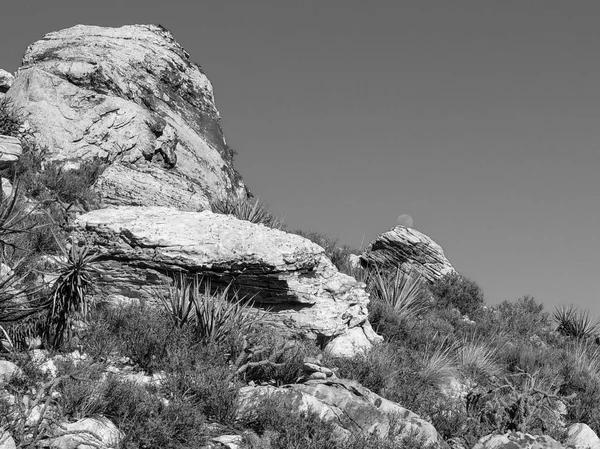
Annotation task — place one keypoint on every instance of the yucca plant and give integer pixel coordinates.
(405, 293)
(246, 209)
(214, 315)
(69, 298)
(575, 323)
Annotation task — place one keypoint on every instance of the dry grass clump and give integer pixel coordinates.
(246, 209)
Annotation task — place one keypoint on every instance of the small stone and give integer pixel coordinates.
(8, 370)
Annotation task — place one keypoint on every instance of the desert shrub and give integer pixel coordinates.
(267, 356)
(337, 253)
(377, 370)
(575, 323)
(81, 390)
(246, 209)
(456, 290)
(477, 358)
(10, 121)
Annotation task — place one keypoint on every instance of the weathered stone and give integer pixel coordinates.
(408, 249)
(6, 80)
(10, 151)
(517, 440)
(581, 436)
(142, 246)
(353, 342)
(7, 441)
(132, 97)
(229, 441)
(8, 370)
(87, 433)
(7, 188)
(347, 404)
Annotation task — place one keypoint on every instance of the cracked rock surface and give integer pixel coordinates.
(302, 291)
(133, 97)
(346, 403)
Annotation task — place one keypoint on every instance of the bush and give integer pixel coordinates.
(455, 290)
(337, 254)
(10, 121)
(244, 209)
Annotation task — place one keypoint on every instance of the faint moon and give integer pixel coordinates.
(405, 220)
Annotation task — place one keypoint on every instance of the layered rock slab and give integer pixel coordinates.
(349, 405)
(130, 96)
(289, 276)
(408, 249)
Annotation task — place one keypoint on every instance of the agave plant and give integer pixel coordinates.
(245, 209)
(178, 302)
(70, 291)
(405, 293)
(575, 323)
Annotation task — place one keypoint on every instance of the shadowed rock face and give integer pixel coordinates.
(132, 97)
(408, 249)
(304, 293)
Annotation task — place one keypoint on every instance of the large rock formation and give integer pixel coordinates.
(305, 294)
(132, 97)
(349, 405)
(408, 249)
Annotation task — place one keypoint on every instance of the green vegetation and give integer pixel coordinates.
(246, 209)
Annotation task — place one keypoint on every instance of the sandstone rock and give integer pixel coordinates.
(132, 97)
(408, 249)
(346, 403)
(356, 341)
(517, 440)
(6, 80)
(229, 441)
(141, 246)
(8, 370)
(87, 433)
(580, 436)
(10, 151)
(6, 186)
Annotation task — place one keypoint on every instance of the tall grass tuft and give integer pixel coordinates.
(575, 323)
(245, 209)
(439, 367)
(478, 357)
(405, 293)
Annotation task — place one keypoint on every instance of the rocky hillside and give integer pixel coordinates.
(132, 97)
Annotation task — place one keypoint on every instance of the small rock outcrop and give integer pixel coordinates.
(302, 291)
(6, 80)
(517, 440)
(349, 405)
(87, 433)
(409, 250)
(10, 151)
(132, 97)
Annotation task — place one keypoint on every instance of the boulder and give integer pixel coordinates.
(142, 247)
(8, 370)
(349, 405)
(132, 97)
(409, 250)
(517, 440)
(87, 433)
(6, 80)
(10, 151)
(581, 436)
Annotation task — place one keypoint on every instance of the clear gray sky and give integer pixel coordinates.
(480, 119)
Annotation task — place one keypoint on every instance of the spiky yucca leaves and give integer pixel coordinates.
(245, 209)
(214, 315)
(575, 323)
(405, 293)
(70, 291)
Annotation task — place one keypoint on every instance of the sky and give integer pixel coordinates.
(480, 119)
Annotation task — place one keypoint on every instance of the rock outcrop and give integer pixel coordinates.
(409, 250)
(6, 80)
(304, 293)
(132, 97)
(581, 436)
(517, 440)
(349, 405)
(10, 151)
